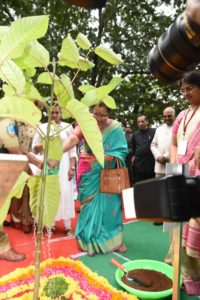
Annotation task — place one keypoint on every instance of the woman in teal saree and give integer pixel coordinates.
(99, 228)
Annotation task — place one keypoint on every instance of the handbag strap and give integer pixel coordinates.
(119, 163)
(108, 164)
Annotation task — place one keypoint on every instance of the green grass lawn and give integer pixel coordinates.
(144, 241)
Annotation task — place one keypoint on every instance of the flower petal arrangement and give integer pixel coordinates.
(62, 279)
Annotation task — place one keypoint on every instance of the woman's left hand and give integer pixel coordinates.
(71, 173)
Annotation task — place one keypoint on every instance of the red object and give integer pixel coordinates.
(87, 3)
(58, 245)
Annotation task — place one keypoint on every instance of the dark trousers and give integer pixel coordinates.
(139, 176)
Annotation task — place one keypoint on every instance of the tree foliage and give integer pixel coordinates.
(129, 28)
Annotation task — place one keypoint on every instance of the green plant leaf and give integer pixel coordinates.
(20, 109)
(94, 95)
(35, 55)
(46, 78)
(83, 41)
(84, 64)
(69, 50)
(29, 73)
(88, 126)
(104, 90)
(32, 93)
(51, 197)
(64, 62)
(86, 88)
(90, 98)
(21, 32)
(110, 102)
(13, 76)
(116, 81)
(65, 114)
(3, 31)
(55, 148)
(8, 90)
(108, 55)
(64, 90)
(16, 191)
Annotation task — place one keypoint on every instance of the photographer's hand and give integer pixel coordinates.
(193, 10)
(197, 220)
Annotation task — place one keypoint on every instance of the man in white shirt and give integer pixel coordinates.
(162, 140)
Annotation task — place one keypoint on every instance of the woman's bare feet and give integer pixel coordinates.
(122, 248)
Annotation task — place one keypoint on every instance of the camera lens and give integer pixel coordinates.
(177, 51)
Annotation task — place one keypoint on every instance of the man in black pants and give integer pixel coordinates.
(143, 160)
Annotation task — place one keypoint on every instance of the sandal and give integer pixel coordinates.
(50, 230)
(69, 232)
(27, 228)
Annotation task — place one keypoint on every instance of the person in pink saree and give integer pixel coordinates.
(185, 139)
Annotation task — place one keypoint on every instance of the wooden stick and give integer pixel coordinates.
(177, 240)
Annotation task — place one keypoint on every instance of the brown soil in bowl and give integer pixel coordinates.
(157, 281)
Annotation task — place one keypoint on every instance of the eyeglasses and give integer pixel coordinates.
(99, 116)
(55, 113)
(187, 90)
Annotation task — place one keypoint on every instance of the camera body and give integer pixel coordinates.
(171, 197)
(177, 50)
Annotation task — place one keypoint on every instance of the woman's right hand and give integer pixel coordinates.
(38, 148)
(53, 164)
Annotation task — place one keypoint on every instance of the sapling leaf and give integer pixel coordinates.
(83, 41)
(110, 102)
(108, 55)
(35, 55)
(51, 197)
(16, 191)
(46, 78)
(20, 33)
(20, 109)
(64, 90)
(13, 76)
(88, 126)
(69, 50)
(32, 93)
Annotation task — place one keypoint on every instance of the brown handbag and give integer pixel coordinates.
(113, 181)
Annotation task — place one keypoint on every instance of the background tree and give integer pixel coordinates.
(129, 28)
